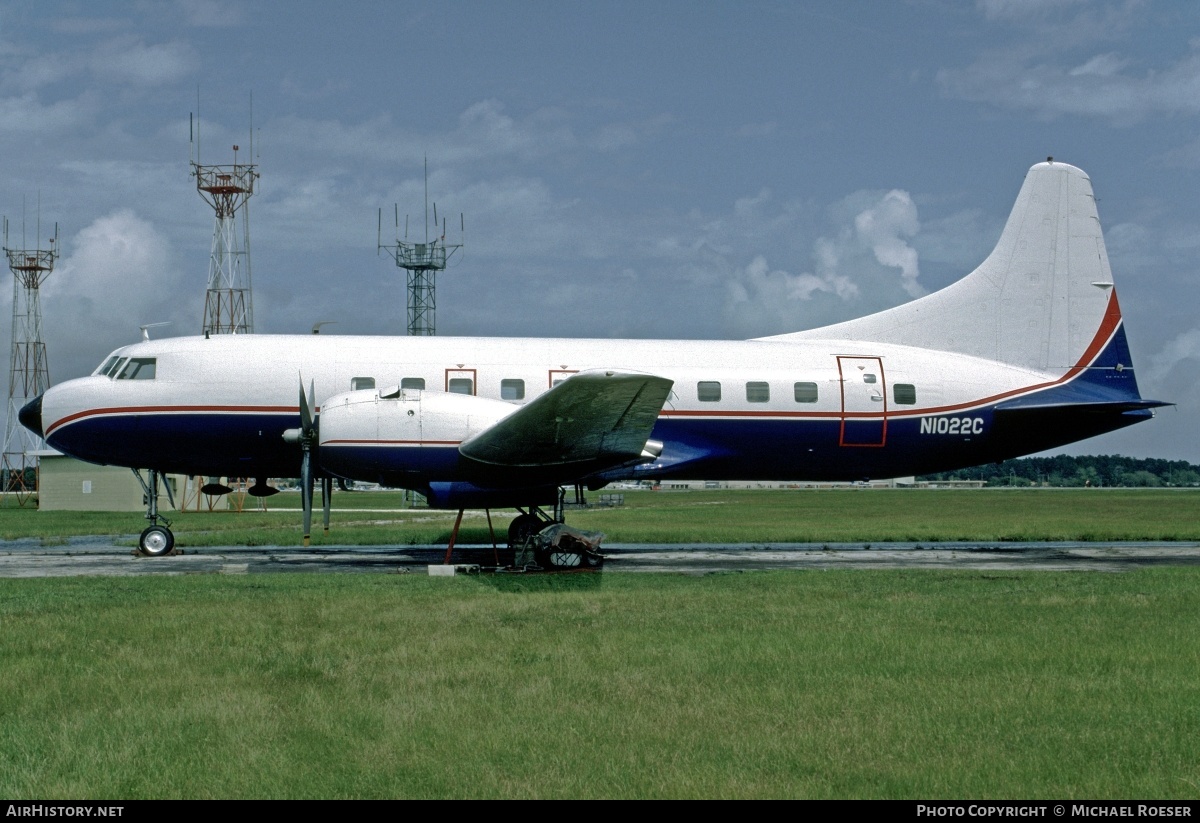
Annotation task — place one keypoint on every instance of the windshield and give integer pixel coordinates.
(138, 368)
(107, 365)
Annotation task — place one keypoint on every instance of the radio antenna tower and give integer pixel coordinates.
(229, 302)
(29, 374)
(422, 261)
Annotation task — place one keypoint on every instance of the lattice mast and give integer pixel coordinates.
(29, 369)
(421, 262)
(229, 300)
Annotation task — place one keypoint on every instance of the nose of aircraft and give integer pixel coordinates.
(31, 415)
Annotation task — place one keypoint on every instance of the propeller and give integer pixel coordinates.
(306, 437)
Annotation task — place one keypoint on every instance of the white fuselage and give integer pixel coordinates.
(795, 410)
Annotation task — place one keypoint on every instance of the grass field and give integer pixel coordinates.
(824, 684)
(805, 516)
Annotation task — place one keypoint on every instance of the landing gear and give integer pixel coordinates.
(156, 540)
(528, 523)
(523, 527)
(571, 554)
(538, 539)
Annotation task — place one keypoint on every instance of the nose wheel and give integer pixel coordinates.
(156, 541)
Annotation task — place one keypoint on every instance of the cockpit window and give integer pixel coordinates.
(138, 368)
(104, 367)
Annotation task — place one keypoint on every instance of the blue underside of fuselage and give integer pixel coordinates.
(245, 445)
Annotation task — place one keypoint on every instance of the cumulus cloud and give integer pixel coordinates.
(488, 123)
(1051, 65)
(25, 114)
(1184, 347)
(485, 132)
(130, 61)
(119, 274)
(1097, 87)
(757, 281)
(27, 71)
(612, 137)
(123, 59)
(1102, 65)
(1022, 9)
(854, 270)
(884, 228)
(211, 13)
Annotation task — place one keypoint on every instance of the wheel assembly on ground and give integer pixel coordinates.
(156, 541)
(523, 527)
(559, 547)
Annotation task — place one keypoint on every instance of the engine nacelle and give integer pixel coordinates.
(400, 437)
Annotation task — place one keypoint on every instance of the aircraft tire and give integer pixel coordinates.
(522, 528)
(560, 559)
(156, 541)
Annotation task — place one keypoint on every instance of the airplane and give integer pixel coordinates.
(1025, 353)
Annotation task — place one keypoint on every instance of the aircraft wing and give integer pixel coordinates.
(593, 417)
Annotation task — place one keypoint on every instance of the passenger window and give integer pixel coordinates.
(462, 385)
(868, 378)
(138, 368)
(758, 392)
(512, 389)
(411, 383)
(357, 383)
(806, 392)
(905, 394)
(708, 391)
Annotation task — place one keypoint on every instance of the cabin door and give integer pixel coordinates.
(864, 401)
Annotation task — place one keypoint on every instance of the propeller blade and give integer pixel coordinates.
(307, 438)
(306, 416)
(306, 493)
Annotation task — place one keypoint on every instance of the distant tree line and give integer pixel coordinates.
(1092, 470)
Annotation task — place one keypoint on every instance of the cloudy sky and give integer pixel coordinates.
(644, 169)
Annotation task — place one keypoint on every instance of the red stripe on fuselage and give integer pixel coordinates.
(71, 418)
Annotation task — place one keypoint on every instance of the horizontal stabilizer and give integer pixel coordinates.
(594, 416)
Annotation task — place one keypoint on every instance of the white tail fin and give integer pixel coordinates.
(1037, 301)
